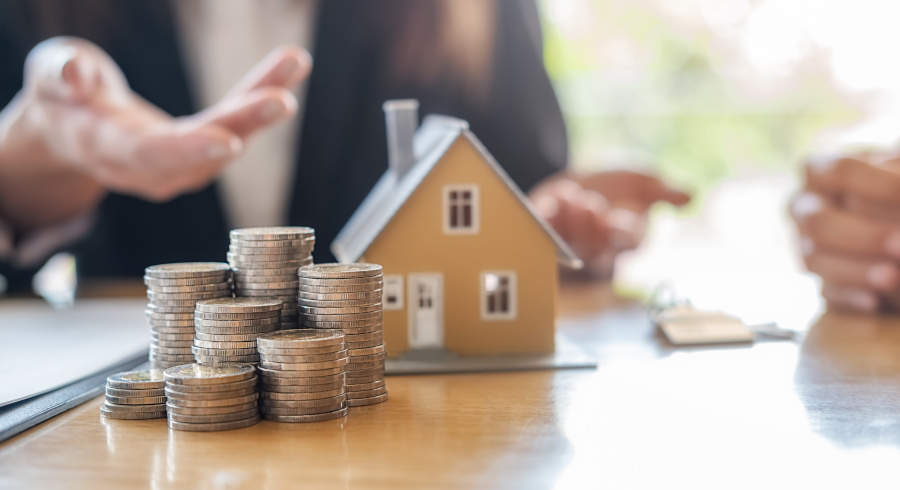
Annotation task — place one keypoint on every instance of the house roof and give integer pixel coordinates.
(431, 142)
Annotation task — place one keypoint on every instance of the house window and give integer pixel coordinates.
(498, 295)
(461, 209)
(392, 297)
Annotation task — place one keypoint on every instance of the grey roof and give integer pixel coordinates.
(431, 142)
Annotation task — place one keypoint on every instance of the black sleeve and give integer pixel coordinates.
(521, 123)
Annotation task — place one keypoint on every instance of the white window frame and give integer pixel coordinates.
(476, 209)
(513, 312)
(394, 282)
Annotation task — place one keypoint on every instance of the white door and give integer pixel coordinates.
(426, 311)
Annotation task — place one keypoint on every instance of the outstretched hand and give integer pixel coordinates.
(601, 214)
(76, 131)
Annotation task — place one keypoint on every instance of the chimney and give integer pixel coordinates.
(402, 118)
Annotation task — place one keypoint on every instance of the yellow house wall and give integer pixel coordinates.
(509, 239)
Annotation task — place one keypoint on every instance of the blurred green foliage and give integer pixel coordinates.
(633, 80)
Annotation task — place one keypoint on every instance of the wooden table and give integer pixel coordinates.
(824, 413)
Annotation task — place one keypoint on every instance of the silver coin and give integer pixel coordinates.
(236, 385)
(301, 338)
(153, 282)
(237, 424)
(163, 309)
(202, 288)
(296, 359)
(172, 351)
(355, 282)
(364, 380)
(362, 337)
(357, 331)
(296, 249)
(353, 305)
(251, 337)
(273, 233)
(359, 402)
(163, 298)
(173, 344)
(124, 392)
(309, 399)
(366, 351)
(268, 285)
(214, 419)
(304, 242)
(223, 402)
(317, 388)
(351, 395)
(301, 374)
(368, 323)
(349, 317)
(285, 295)
(300, 410)
(204, 351)
(304, 366)
(378, 383)
(177, 359)
(253, 259)
(137, 380)
(380, 356)
(280, 265)
(209, 344)
(245, 273)
(330, 271)
(195, 374)
(157, 336)
(238, 305)
(322, 417)
(304, 351)
(367, 288)
(112, 407)
(135, 400)
(153, 315)
(172, 394)
(201, 315)
(211, 410)
(214, 360)
(131, 415)
(257, 322)
(186, 270)
(174, 324)
(366, 295)
(354, 373)
(255, 331)
(272, 380)
(360, 348)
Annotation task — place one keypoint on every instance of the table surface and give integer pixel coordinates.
(822, 412)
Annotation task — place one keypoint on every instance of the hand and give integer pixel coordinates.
(76, 131)
(601, 214)
(848, 216)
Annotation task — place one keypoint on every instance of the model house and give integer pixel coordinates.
(468, 265)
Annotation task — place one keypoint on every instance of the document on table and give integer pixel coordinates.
(42, 348)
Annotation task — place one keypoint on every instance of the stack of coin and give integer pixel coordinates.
(173, 290)
(302, 373)
(135, 395)
(348, 297)
(265, 263)
(211, 398)
(227, 328)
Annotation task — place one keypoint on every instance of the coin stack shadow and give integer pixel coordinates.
(227, 328)
(302, 375)
(348, 297)
(135, 395)
(265, 263)
(212, 398)
(173, 290)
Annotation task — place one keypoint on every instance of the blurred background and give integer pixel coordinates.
(726, 98)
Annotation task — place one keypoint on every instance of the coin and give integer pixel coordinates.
(205, 351)
(359, 402)
(273, 381)
(307, 418)
(242, 243)
(168, 298)
(378, 383)
(182, 337)
(188, 270)
(131, 415)
(300, 338)
(113, 407)
(316, 388)
(338, 307)
(371, 282)
(301, 374)
(272, 233)
(171, 324)
(180, 359)
(216, 388)
(236, 316)
(255, 322)
(168, 309)
(237, 424)
(238, 345)
(136, 400)
(191, 403)
(173, 344)
(215, 287)
(123, 392)
(248, 285)
(366, 394)
(303, 359)
(212, 360)
(213, 395)
(366, 351)
(168, 316)
(355, 377)
(305, 366)
(238, 305)
(302, 351)
(280, 265)
(353, 325)
(288, 296)
(195, 374)
(211, 410)
(205, 337)
(214, 419)
(331, 271)
(137, 380)
(380, 356)
(287, 402)
(362, 337)
(363, 380)
(305, 250)
(308, 397)
(155, 282)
